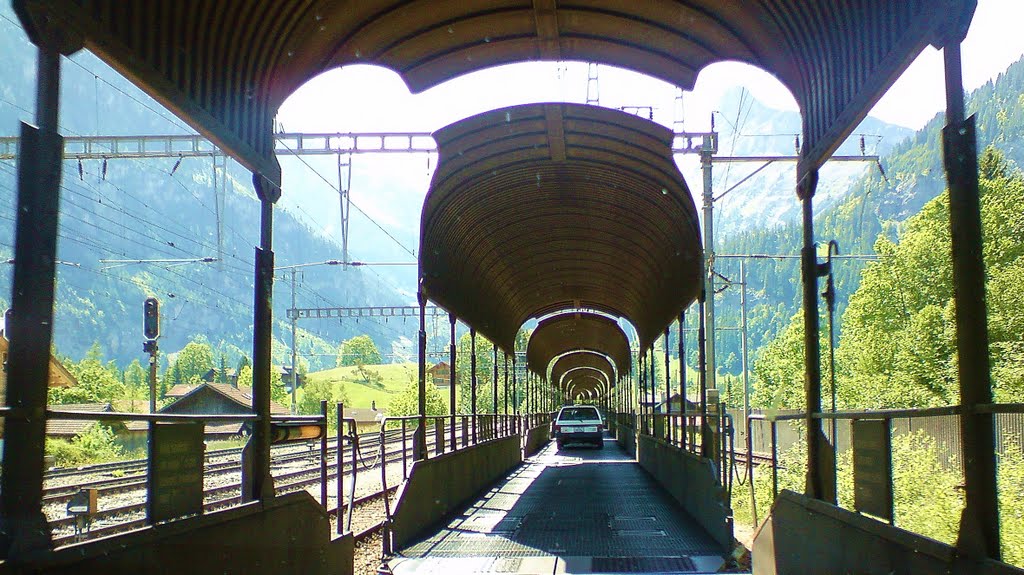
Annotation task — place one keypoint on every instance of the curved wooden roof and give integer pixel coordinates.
(541, 208)
(568, 332)
(582, 360)
(577, 385)
(226, 67)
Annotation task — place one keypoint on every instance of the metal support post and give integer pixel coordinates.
(743, 344)
(668, 389)
(654, 384)
(820, 479)
(706, 441)
(452, 378)
(515, 390)
(295, 319)
(709, 264)
(682, 377)
(262, 484)
(472, 379)
(420, 437)
(339, 462)
(494, 373)
(323, 456)
(23, 528)
(979, 523)
(152, 378)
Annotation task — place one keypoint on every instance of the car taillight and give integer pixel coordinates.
(558, 428)
(600, 427)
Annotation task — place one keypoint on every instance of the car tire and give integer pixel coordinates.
(560, 444)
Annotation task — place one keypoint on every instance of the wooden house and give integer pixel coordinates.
(219, 399)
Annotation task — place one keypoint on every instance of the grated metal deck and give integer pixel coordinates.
(576, 511)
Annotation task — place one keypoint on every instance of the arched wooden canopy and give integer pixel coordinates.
(545, 207)
(567, 332)
(582, 359)
(226, 67)
(582, 383)
(578, 372)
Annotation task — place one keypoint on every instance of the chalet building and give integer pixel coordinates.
(130, 435)
(218, 399)
(59, 376)
(441, 375)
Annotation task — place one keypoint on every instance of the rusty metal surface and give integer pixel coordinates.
(227, 66)
(569, 332)
(541, 208)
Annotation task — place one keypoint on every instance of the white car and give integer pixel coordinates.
(579, 424)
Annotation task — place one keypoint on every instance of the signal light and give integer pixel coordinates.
(151, 318)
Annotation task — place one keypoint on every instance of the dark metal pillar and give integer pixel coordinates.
(682, 376)
(472, 379)
(420, 437)
(668, 385)
(262, 484)
(821, 481)
(979, 523)
(641, 389)
(452, 377)
(515, 389)
(506, 384)
(494, 373)
(706, 438)
(23, 528)
(654, 382)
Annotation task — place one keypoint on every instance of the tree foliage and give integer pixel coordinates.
(898, 343)
(360, 350)
(407, 402)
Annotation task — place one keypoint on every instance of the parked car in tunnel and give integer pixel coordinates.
(578, 424)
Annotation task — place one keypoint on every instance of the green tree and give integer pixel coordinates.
(245, 377)
(898, 342)
(316, 391)
(358, 350)
(96, 382)
(194, 361)
(407, 402)
(484, 371)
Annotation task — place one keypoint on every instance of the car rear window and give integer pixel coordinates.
(579, 414)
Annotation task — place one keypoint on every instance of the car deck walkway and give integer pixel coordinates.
(579, 510)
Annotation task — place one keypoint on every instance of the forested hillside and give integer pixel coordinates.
(877, 205)
(163, 209)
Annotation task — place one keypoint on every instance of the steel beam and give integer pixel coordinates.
(979, 523)
(23, 528)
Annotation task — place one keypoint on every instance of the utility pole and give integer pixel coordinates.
(295, 374)
(706, 153)
(743, 342)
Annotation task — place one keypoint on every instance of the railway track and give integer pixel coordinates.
(132, 476)
(124, 517)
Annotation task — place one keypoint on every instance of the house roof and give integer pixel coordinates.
(180, 390)
(439, 366)
(59, 375)
(230, 393)
(70, 427)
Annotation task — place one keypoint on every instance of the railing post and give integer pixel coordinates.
(452, 379)
(323, 455)
(339, 461)
(472, 380)
(420, 436)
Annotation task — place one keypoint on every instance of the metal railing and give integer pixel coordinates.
(939, 424)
